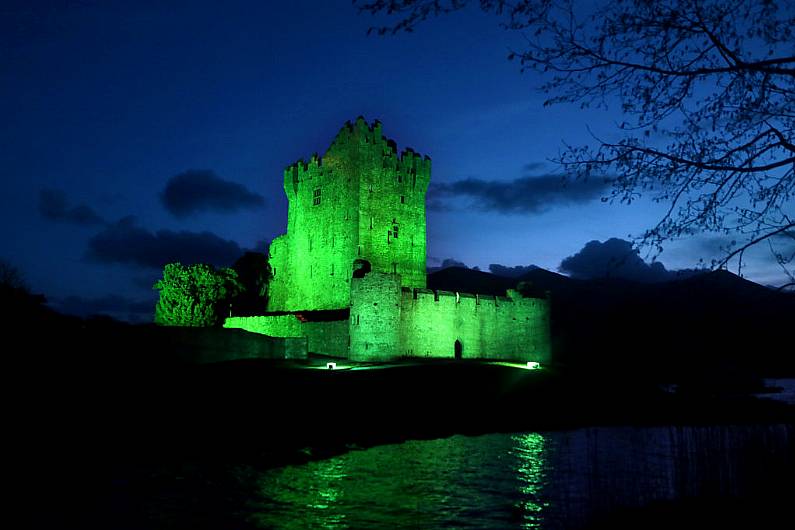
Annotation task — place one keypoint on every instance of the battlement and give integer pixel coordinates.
(468, 299)
(348, 144)
(361, 132)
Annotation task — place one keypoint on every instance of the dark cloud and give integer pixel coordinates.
(617, 258)
(534, 166)
(112, 305)
(126, 242)
(529, 194)
(198, 191)
(53, 205)
(511, 272)
(447, 263)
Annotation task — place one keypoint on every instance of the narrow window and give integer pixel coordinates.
(316, 197)
(395, 231)
(400, 177)
(357, 320)
(402, 199)
(394, 268)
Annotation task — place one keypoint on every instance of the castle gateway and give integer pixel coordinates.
(349, 274)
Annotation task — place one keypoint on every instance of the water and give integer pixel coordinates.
(527, 480)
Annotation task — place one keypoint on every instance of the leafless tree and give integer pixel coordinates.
(707, 93)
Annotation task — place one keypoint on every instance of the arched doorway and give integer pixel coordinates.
(459, 349)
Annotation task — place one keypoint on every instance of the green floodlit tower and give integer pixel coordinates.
(355, 242)
(362, 204)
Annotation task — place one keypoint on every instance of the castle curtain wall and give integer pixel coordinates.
(487, 327)
(327, 338)
(389, 322)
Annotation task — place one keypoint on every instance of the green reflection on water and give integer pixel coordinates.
(531, 472)
(320, 492)
(491, 481)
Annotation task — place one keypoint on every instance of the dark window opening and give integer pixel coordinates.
(458, 349)
(361, 267)
(402, 199)
(316, 197)
(395, 231)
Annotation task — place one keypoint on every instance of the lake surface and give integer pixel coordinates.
(525, 480)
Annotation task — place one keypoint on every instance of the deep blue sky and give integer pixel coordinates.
(102, 103)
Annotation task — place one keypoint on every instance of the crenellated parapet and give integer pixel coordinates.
(360, 148)
(388, 321)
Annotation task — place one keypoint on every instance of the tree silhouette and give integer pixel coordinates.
(195, 295)
(254, 273)
(707, 91)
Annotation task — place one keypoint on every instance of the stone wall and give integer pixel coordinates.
(389, 322)
(272, 325)
(207, 345)
(325, 337)
(488, 327)
(375, 317)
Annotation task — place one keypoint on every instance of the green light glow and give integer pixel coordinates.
(356, 240)
(331, 366)
(531, 472)
(361, 179)
(532, 365)
(414, 484)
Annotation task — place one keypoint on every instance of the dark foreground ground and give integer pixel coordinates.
(103, 436)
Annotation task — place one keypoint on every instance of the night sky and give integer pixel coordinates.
(136, 133)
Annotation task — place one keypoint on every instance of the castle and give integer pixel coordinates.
(350, 273)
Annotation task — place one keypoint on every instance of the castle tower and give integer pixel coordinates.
(360, 201)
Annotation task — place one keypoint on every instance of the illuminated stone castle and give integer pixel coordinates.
(349, 274)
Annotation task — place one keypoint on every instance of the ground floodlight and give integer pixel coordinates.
(532, 365)
(331, 366)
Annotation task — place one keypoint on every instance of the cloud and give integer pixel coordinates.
(112, 305)
(529, 194)
(617, 258)
(199, 190)
(126, 242)
(54, 206)
(447, 263)
(511, 272)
